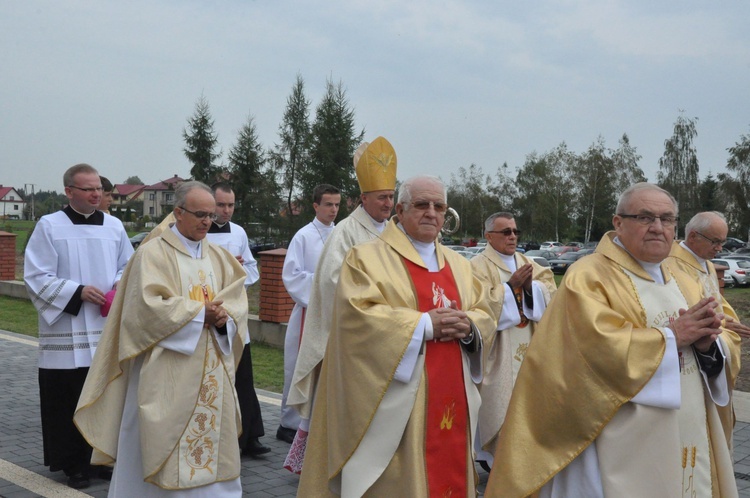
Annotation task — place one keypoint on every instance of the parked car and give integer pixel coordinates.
(257, 245)
(529, 246)
(542, 254)
(563, 249)
(561, 264)
(136, 239)
(549, 245)
(476, 249)
(590, 245)
(742, 250)
(467, 254)
(455, 247)
(733, 244)
(579, 245)
(739, 271)
(540, 261)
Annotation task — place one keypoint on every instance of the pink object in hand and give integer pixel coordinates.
(108, 298)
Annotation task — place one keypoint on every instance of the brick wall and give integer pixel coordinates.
(275, 303)
(7, 256)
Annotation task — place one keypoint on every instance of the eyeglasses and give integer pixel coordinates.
(87, 190)
(648, 219)
(506, 231)
(440, 207)
(714, 242)
(201, 215)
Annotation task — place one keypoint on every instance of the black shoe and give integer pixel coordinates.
(255, 448)
(102, 472)
(285, 434)
(79, 480)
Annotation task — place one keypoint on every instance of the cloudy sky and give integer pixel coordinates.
(449, 83)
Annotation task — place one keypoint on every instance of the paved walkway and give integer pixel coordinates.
(22, 474)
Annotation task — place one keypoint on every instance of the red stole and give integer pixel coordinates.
(447, 411)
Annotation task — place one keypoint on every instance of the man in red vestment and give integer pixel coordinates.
(396, 411)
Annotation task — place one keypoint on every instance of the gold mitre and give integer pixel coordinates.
(375, 165)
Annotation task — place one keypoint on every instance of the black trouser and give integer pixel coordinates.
(252, 421)
(64, 447)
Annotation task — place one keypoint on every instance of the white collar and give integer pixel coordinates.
(193, 246)
(379, 225)
(697, 258)
(653, 269)
(426, 250)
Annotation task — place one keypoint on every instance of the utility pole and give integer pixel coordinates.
(25, 188)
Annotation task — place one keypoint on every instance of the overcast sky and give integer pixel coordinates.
(449, 83)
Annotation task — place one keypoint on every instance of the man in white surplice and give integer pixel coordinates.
(73, 260)
(301, 259)
(160, 398)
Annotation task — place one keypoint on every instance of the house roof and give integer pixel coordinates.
(168, 184)
(4, 191)
(126, 189)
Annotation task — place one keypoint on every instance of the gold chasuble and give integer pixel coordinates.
(596, 348)
(706, 284)
(447, 419)
(367, 425)
(184, 402)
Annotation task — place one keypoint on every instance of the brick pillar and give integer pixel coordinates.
(275, 303)
(7, 256)
(720, 269)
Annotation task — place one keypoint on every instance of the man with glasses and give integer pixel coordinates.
(73, 259)
(375, 165)
(519, 290)
(397, 403)
(160, 400)
(705, 234)
(625, 389)
(233, 238)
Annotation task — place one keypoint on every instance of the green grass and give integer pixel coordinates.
(268, 367)
(20, 316)
(21, 228)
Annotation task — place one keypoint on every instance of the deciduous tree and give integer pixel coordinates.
(678, 167)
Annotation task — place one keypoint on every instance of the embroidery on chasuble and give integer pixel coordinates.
(661, 304)
(199, 443)
(447, 410)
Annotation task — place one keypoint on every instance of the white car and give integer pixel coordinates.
(739, 271)
(549, 245)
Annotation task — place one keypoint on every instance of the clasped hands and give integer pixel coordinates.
(698, 325)
(449, 323)
(215, 314)
(522, 277)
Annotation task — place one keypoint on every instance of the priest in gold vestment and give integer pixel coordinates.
(159, 401)
(396, 408)
(623, 388)
(705, 234)
(519, 291)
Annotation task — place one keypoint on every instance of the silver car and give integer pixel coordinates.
(739, 271)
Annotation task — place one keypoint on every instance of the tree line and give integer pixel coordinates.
(555, 195)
